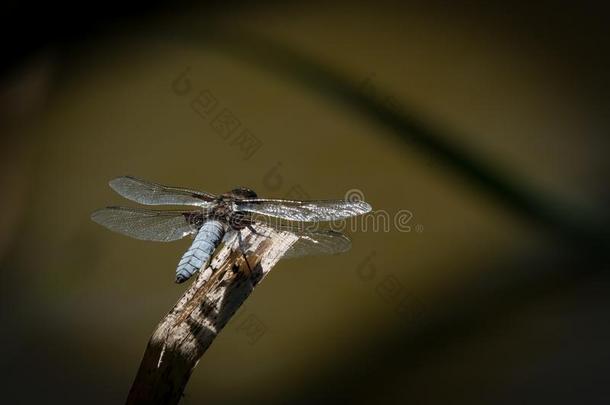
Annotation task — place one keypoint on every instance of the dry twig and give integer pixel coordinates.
(186, 332)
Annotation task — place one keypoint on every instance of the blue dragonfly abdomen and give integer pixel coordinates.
(198, 255)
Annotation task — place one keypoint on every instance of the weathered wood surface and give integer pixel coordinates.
(186, 332)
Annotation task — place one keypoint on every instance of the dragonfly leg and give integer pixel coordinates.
(243, 251)
(251, 228)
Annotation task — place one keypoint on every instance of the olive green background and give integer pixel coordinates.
(490, 306)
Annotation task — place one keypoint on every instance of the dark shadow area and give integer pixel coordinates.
(469, 311)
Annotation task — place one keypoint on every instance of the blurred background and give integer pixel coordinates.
(485, 122)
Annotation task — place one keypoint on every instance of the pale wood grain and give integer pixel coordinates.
(186, 332)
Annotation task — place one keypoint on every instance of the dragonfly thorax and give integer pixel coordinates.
(225, 211)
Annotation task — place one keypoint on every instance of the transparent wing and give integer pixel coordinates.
(160, 226)
(319, 243)
(311, 242)
(148, 193)
(304, 211)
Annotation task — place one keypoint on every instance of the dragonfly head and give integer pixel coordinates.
(242, 192)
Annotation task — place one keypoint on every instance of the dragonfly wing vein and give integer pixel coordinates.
(148, 193)
(160, 226)
(304, 211)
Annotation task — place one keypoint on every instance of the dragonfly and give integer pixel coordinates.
(211, 218)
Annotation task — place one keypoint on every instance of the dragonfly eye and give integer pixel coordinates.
(243, 192)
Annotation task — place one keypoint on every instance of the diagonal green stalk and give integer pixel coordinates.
(517, 196)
